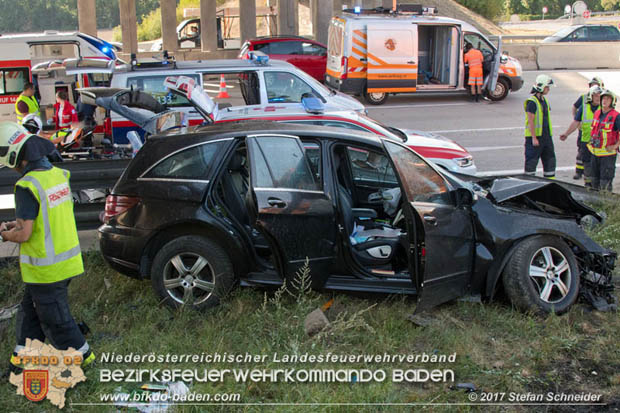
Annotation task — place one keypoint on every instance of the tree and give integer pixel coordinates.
(491, 9)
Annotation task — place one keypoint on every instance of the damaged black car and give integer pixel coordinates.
(201, 210)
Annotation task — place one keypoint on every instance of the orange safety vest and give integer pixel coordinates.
(603, 134)
(474, 58)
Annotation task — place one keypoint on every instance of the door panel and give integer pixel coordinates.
(443, 231)
(392, 59)
(293, 212)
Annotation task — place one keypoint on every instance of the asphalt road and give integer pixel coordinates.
(494, 131)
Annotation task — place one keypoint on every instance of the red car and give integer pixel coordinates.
(307, 54)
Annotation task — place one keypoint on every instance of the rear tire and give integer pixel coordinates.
(542, 275)
(501, 90)
(375, 98)
(192, 270)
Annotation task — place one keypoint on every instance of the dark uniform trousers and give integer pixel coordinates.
(544, 152)
(583, 159)
(44, 312)
(603, 170)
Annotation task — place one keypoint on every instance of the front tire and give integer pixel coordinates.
(375, 98)
(192, 270)
(542, 275)
(501, 90)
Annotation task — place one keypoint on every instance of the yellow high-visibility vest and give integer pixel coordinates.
(538, 119)
(33, 107)
(52, 253)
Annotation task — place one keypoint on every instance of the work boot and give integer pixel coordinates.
(477, 97)
(14, 366)
(578, 175)
(89, 357)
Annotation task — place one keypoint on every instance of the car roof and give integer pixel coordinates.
(208, 65)
(159, 146)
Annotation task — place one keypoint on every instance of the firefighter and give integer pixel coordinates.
(579, 165)
(583, 122)
(49, 254)
(538, 129)
(474, 59)
(26, 103)
(604, 142)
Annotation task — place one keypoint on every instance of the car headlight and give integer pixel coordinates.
(464, 162)
(518, 67)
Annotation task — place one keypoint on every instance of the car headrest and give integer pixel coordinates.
(236, 163)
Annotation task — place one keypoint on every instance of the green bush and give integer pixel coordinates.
(150, 28)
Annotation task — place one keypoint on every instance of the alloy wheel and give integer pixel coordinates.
(550, 274)
(189, 278)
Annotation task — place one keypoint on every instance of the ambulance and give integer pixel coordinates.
(20, 53)
(377, 52)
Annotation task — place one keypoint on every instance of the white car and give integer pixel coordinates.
(255, 83)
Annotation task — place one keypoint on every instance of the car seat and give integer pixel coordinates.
(375, 251)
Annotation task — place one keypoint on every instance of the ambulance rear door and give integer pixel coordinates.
(392, 58)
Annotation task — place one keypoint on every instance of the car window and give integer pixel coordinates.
(578, 35)
(284, 87)
(371, 168)
(154, 85)
(313, 154)
(479, 43)
(241, 88)
(263, 47)
(190, 163)
(283, 164)
(12, 80)
(612, 33)
(421, 182)
(312, 49)
(286, 47)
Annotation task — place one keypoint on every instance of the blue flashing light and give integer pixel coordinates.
(312, 104)
(259, 58)
(105, 49)
(357, 9)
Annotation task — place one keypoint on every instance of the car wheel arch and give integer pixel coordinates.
(170, 232)
(494, 275)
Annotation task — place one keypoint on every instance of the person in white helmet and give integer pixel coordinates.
(49, 253)
(538, 129)
(581, 140)
(604, 142)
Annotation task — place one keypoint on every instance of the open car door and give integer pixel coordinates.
(290, 207)
(139, 107)
(440, 232)
(490, 83)
(192, 91)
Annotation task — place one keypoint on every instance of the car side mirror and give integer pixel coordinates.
(462, 197)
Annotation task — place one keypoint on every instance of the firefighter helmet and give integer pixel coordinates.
(611, 94)
(542, 81)
(12, 139)
(596, 81)
(594, 90)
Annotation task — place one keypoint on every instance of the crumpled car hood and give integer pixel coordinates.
(550, 196)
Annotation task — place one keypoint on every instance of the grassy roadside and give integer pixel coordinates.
(498, 349)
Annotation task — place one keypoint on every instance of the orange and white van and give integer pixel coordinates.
(19, 53)
(379, 51)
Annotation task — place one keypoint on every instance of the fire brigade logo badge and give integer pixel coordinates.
(390, 44)
(36, 384)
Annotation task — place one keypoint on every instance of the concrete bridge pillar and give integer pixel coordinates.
(87, 17)
(129, 28)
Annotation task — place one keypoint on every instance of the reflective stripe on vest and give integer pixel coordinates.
(603, 133)
(538, 117)
(33, 107)
(53, 230)
(587, 117)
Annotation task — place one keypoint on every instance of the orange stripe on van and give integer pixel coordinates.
(357, 75)
(360, 44)
(353, 62)
(392, 76)
(387, 66)
(358, 52)
(376, 59)
(332, 73)
(390, 89)
(360, 34)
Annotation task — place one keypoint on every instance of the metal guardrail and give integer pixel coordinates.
(84, 175)
(519, 39)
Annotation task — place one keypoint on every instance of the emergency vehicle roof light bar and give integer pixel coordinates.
(165, 62)
(409, 9)
(258, 57)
